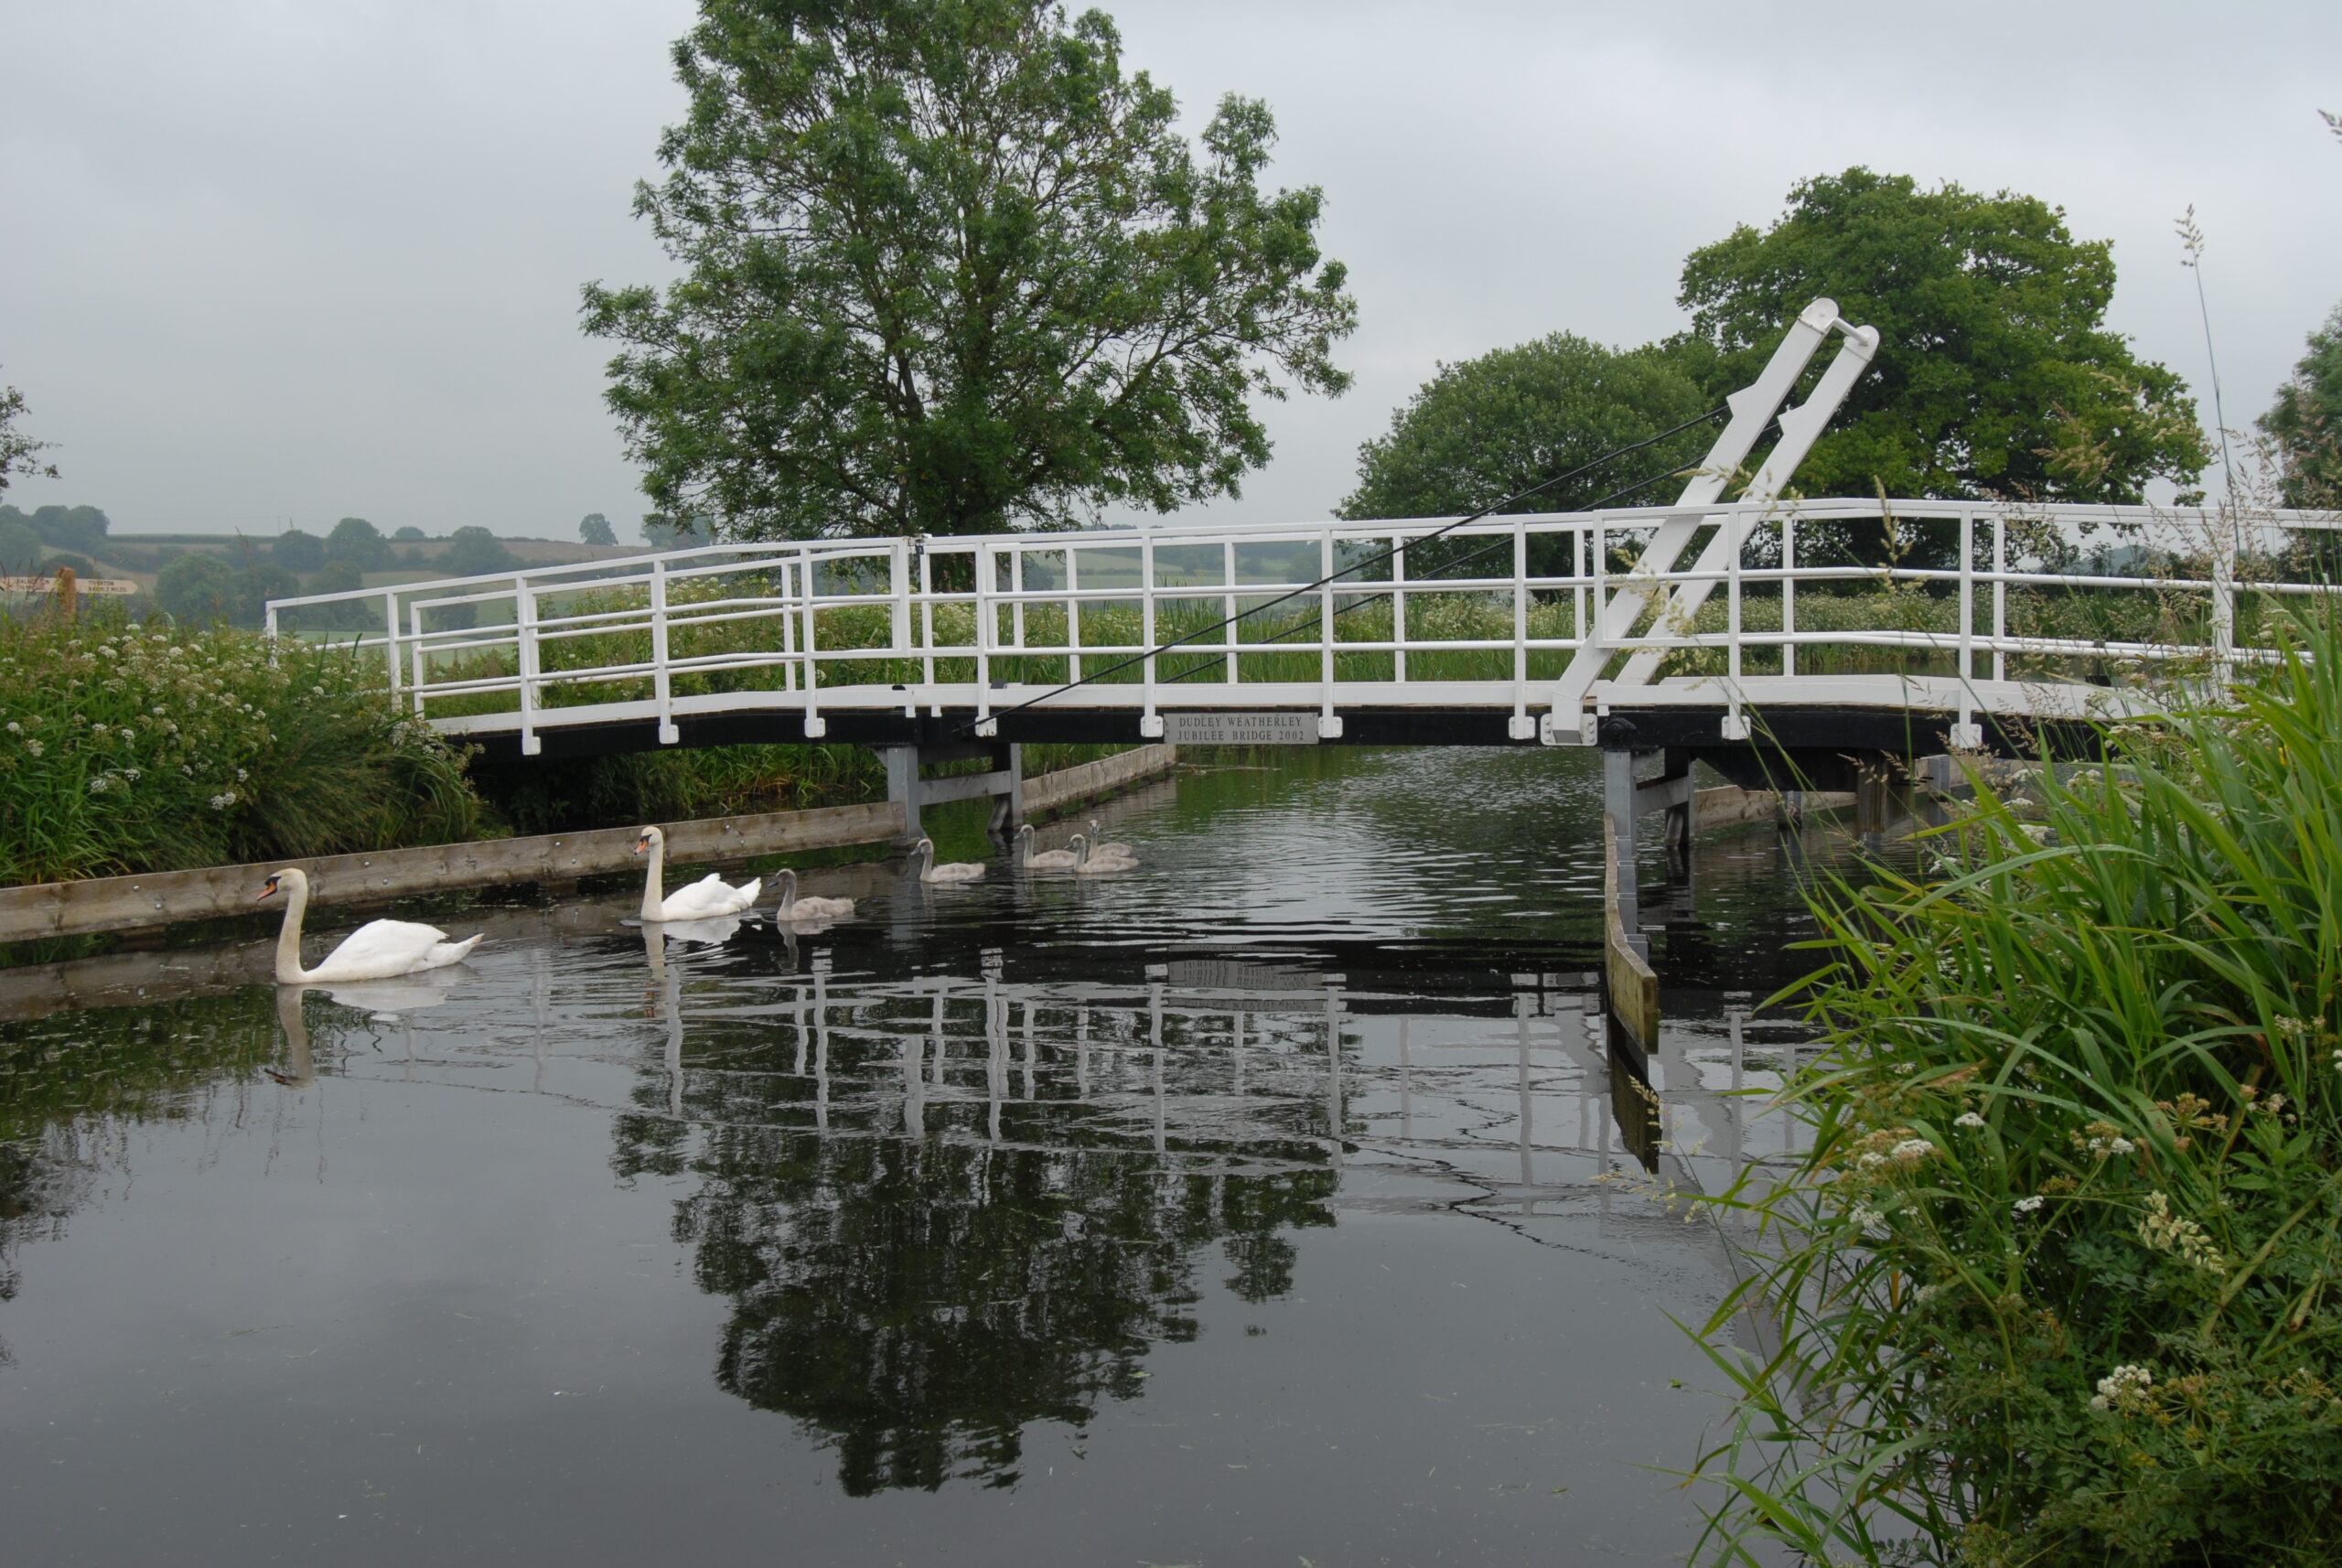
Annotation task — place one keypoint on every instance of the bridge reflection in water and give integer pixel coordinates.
(946, 1207)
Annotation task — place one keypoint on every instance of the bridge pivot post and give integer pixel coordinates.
(1008, 806)
(1680, 824)
(1618, 804)
(903, 786)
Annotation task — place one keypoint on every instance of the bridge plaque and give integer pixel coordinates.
(1241, 729)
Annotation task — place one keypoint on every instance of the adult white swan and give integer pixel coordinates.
(793, 907)
(1065, 859)
(375, 950)
(702, 901)
(950, 871)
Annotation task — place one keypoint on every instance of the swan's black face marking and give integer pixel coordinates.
(642, 843)
(269, 891)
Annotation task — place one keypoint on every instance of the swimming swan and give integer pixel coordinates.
(1064, 859)
(1096, 865)
(950, 871)
(701, 900)
(793, 907)
(375, 950)
(1110, 850)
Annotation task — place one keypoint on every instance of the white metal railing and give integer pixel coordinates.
(1508, 612)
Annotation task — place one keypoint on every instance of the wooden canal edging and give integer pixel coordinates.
(1633, 983)
(167, 897)
(1089, 780)
(36, 911)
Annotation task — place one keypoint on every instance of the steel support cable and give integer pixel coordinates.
(969, 727)
(1427, 584)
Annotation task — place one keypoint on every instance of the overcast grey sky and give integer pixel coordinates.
(265, 260)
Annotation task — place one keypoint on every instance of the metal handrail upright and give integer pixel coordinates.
(1328, 726)
(524, 638)
(663, 684)
(816, 726)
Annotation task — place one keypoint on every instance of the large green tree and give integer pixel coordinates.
(1996, 374)
(947, 269)
(1492, 426)
(2305, 424)
(19, 452)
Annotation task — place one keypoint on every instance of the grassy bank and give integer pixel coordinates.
(131, 746)
(2056, 1284)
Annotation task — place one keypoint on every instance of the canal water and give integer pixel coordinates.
(1273, 1203)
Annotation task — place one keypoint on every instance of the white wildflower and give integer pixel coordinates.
(34, 746)
(100, 784)
(241, 776)
(132, 774)
(2181, 1237)
(16, 728)
(2028, 1205)
(1911, 1151)
(221, 802)
(1968, 1119)
(2123, 1391)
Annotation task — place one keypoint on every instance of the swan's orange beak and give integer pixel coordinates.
(641, 844)
(269, 891)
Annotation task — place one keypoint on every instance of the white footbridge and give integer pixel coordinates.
(1814, 627)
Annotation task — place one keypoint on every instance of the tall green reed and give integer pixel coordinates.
(2055, 1284)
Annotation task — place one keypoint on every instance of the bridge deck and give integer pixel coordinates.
(1519, 628)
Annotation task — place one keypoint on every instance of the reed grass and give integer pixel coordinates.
(2055, 1284)
(128, 747)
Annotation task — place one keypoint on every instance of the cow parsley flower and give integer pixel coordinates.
(1968, 1119)
(2123, 1391)
(2028, 1205)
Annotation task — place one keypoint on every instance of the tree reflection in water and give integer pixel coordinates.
(934, 1234)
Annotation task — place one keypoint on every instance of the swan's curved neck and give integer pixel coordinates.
(288, 938)
(787, 891)
(654, 881)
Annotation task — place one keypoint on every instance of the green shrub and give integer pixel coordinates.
(127, 748)
(2057, 1283)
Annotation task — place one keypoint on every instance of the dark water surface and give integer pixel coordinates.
(1264, 1206)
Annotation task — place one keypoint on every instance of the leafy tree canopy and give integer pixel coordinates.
(355, 539)
(298, 552)
(20, 549)
(79, 527)
(595, 528)
(665, 532)
(474, 551)
(19, 452)
(197, 588)
(1488, 427)
(2305, 424)
(1995, 373)
(409, 534)
(337, 577)
(947, 269)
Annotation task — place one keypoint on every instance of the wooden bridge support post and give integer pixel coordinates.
(1882, 800)
(1008, 806)
(903, 786)
(1619, 809)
